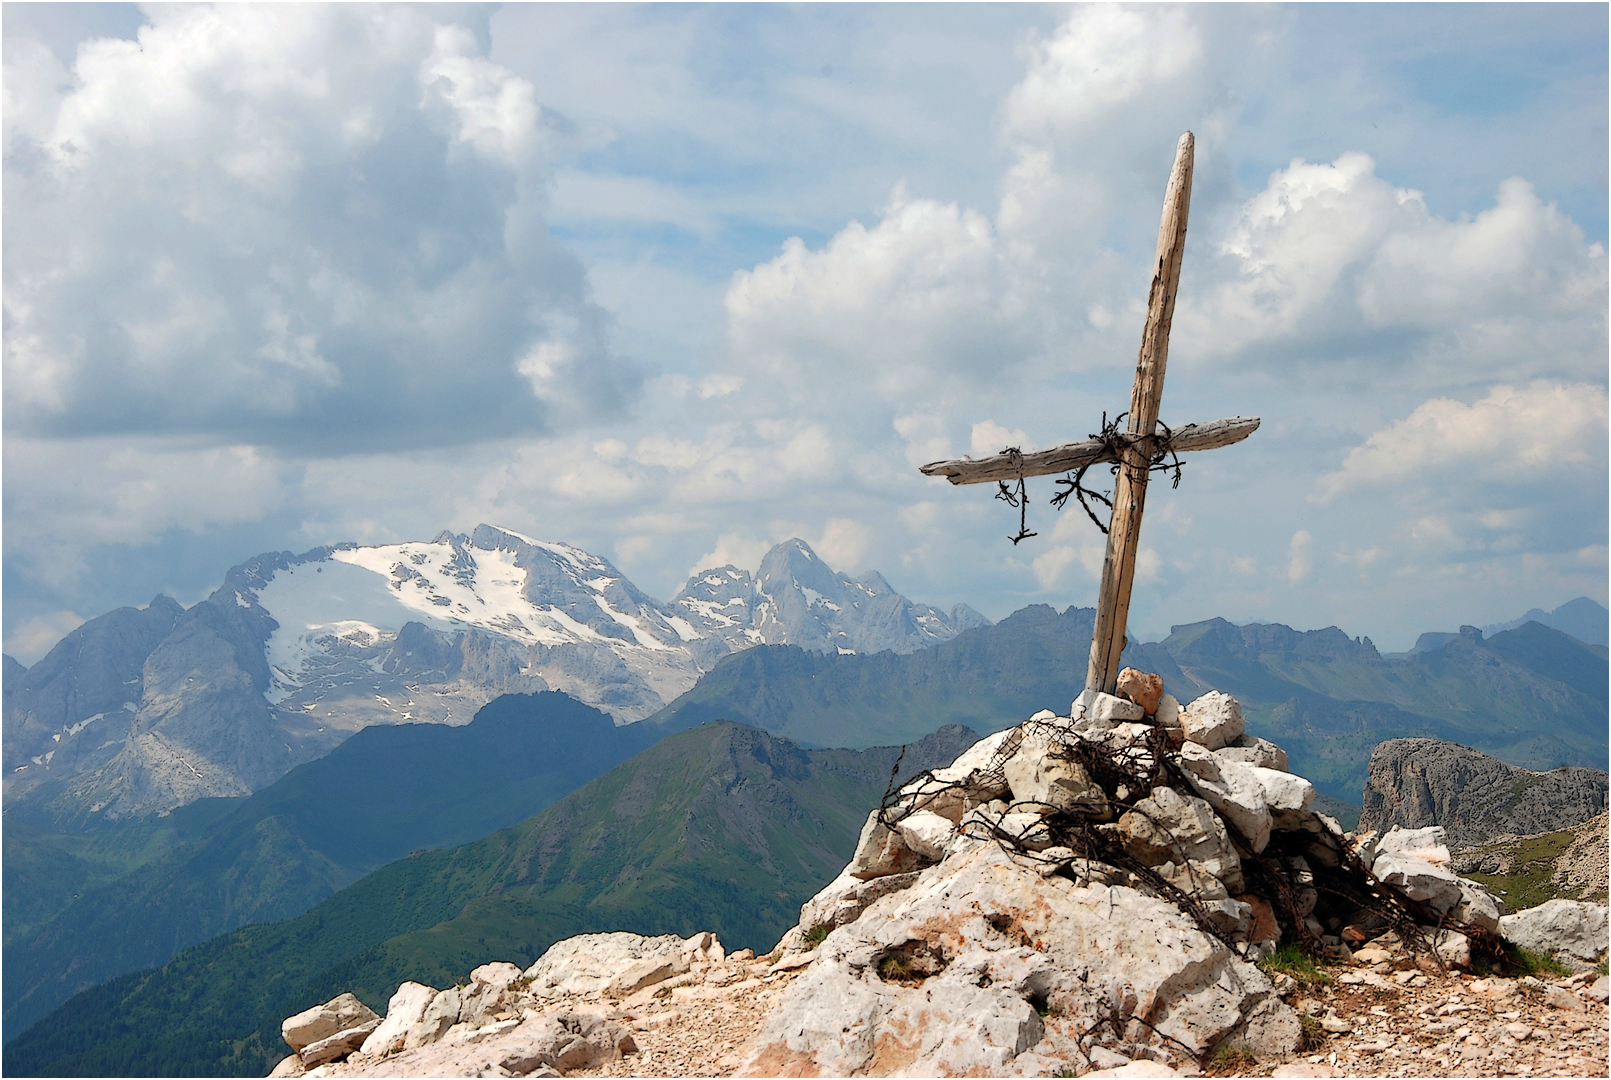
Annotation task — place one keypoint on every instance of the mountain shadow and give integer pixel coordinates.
(383, 793)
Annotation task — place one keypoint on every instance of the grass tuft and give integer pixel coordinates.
(1293, 962)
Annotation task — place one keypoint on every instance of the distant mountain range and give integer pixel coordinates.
(142, 711)
(720, 827)
(1582, 618)
(1532, 696)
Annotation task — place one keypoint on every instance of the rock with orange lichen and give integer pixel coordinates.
(951, 975)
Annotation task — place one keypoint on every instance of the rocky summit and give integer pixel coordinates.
(1131, 889)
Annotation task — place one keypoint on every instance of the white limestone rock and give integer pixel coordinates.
(1168, 714)
(1029, 830)
(1568, 927)
(1478, 906)
(1231, 789)
(1429, 844)
(440, 1015)
(479, 1000)
(1061, 785)
(703, 947)
(1252, 750)
(1417, 861)
(549, 1045)
(984, 940)
(1452, 948)
(322, 1021)
(589, 963)
(404, 1010)
(843, 899)
(881, 851)
(1213, 720)
(1168, 827)
(1113, 710)
(337, 1046)
(926, 833)
(1289, 797)
(975, 760)
(1432, 884)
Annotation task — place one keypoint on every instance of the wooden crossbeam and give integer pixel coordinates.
(1072, 456)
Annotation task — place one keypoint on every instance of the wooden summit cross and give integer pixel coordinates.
(1136, 451)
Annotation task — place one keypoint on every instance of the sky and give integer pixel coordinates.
(674, 283)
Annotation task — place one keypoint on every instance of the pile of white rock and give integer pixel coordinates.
(967, 917)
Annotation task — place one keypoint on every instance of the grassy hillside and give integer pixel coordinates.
(720, 827)
(91, 907)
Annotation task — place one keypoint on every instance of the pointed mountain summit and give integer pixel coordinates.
(797, 599)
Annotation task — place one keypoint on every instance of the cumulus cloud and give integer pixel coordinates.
(35, 637)
(1329, 255)
(306, 226)
(924, 294)
(1511, 435)
(1102, 57)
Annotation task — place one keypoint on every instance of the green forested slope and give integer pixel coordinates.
(152, 888)
(720, 827)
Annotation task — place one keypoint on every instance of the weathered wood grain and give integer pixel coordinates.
(1071, 456)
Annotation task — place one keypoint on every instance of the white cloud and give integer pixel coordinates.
(223, 228)
(923, 295)
(1513, 435)
(35, 637)
(1299, 561)
(732, 549)
(1103, 56)
(989, 437)
(843, 543)
(1328, 254)
(63, 498)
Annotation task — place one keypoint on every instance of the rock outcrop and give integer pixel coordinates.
(1419, 782)
(1573, 932)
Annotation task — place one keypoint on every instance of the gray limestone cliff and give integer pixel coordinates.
(1414, 783)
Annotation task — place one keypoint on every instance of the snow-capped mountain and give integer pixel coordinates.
(145, 710)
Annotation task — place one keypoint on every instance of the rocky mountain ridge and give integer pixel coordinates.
(1415, 783)
(140, 711)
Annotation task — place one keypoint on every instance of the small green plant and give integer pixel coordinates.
(1314, 1036)
(892, 967)
(1064, 1070)
(521, 983)
(1293, 962)
(1231, 1059)
(817, 935)
(1527, 962)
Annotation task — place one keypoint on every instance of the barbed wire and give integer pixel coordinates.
(1116, 444)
